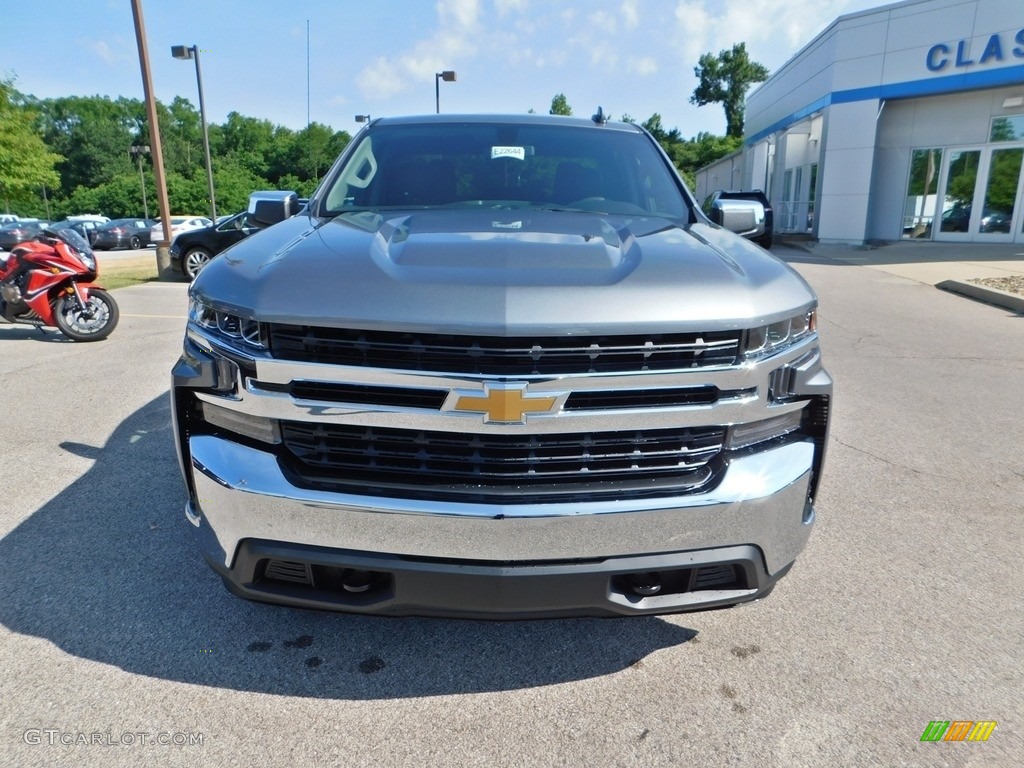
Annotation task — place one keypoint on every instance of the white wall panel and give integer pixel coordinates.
(930, 25)
(855, 41)
(992, 16)
(858, 73)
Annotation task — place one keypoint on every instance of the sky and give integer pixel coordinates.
(380, 57)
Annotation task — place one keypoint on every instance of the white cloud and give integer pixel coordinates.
(693, 24)
(451, 42)
(463, 13)
(505, 7)
(604, 21)
(381, 79)
(771, 31)
(630, 13)
(101, 49)
(643, 65)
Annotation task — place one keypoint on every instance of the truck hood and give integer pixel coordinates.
(502, 272)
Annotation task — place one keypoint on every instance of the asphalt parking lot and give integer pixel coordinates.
(904, 609)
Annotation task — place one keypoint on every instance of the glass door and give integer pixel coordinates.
(981, 195)
(960, 185)
(1001, 201)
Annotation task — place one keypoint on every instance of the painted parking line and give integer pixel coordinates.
(168, 317)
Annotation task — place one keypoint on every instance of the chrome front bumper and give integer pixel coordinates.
(242, 494)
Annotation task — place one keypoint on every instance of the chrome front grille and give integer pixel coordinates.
(505, 468)
(500, 356)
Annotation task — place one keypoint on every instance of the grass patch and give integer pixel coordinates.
(125, 272)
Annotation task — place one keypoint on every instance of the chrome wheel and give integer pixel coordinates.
(195, 260)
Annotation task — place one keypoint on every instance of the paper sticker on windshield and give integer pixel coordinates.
(519, 153)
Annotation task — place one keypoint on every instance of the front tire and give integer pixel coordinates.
(194, 261)
(93, 322)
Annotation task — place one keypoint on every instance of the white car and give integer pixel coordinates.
(94, 218)
(179, 224)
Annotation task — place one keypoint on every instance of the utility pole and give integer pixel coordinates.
(163, 253)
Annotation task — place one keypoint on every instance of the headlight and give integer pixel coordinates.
(89, 260)
(224, 324)
(769, 339)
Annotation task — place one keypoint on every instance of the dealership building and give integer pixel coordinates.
(904, 121)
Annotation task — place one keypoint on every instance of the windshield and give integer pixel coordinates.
(505, 165)
(72, 238)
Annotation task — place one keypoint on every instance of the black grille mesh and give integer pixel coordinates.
(502, 356)
(514, 468)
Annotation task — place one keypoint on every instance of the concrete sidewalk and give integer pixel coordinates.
(948, 266)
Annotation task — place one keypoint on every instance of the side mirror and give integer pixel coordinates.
(744, 217)
(268, 208)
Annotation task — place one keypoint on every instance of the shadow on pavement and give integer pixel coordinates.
(107, 571)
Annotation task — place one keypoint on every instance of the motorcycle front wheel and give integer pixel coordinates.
(95, 321)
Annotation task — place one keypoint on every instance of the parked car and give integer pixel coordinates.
(192, 250)
(179, 224)
(957, 218)
(748, 213)
(83, 227)
(123, 233)
(18, 232)
(93, 217)
(995, 220)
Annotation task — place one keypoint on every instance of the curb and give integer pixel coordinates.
(993, 296)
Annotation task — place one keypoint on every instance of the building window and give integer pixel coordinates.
(1010, 128)
(922, 188)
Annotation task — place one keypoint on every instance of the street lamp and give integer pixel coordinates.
(449, 77)
(137, 152)
(184, 53)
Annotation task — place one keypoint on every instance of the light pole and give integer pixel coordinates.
(449, 77)
(186, 52)
(137, 152)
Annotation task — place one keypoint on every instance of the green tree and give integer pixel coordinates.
(181, 133)
(93, 135)
(247, 141)
(724, 79)
(692, 155)
(560, 105)
(234, 182)
(26, 164)
(310, 152)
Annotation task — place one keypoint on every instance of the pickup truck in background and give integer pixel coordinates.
(500, 367)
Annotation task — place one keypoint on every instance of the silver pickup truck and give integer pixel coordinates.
(500, 367)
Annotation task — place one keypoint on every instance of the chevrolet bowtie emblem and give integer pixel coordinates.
(503, 403)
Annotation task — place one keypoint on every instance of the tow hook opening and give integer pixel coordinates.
(639, 585)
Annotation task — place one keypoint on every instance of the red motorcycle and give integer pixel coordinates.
(48, 281)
